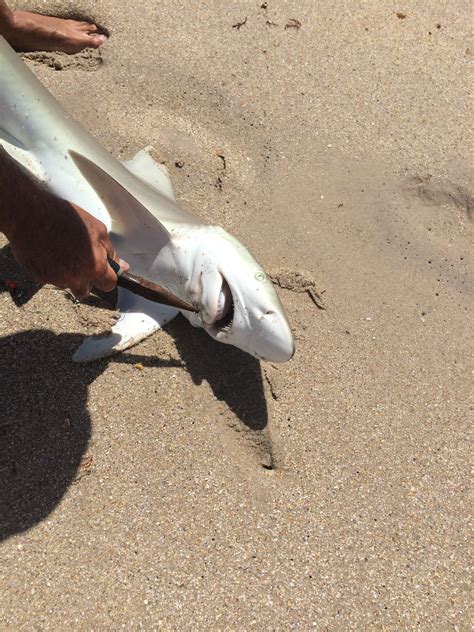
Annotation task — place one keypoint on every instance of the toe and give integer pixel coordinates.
(84, 40)
(77, 42)
(87, 27)
(96, 40)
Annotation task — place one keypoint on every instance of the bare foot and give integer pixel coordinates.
(31, 31)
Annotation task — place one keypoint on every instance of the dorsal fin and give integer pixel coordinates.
(156, 175)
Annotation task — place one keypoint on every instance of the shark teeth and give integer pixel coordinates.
(224, 303)
(225, 309)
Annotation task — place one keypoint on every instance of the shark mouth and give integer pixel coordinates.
(225, 311)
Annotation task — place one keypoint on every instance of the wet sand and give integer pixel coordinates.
(182, 484)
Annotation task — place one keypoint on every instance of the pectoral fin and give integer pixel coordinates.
(136, 233)
(138, 319)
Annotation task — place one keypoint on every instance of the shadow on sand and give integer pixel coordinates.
(44, 421)
(234, 376)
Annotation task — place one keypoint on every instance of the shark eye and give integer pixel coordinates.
(260, 276)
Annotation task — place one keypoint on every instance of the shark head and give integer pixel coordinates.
(238, 303)
(200, 264)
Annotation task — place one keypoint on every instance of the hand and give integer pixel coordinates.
(58, 242)
(66, 246)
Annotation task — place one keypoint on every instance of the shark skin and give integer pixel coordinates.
(200, 263)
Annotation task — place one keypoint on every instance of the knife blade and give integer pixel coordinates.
(148, 289)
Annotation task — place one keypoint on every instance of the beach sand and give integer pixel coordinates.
(182, 484)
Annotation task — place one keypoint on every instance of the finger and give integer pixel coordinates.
(81, 291)
(113, 255)
(123, 264)
(105, 278)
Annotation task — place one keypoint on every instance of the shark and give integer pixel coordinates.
(199, 263)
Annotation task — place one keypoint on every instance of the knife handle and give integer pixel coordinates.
(115, 267)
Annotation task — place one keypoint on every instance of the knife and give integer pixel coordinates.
(148, 289)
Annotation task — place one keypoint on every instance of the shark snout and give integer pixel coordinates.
(274, 338)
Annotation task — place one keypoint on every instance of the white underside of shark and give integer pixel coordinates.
(199, 263)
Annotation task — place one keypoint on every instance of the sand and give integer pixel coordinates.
(183, 485)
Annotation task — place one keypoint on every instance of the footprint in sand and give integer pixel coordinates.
(439, 193)
(298, 281)
(87, 60)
